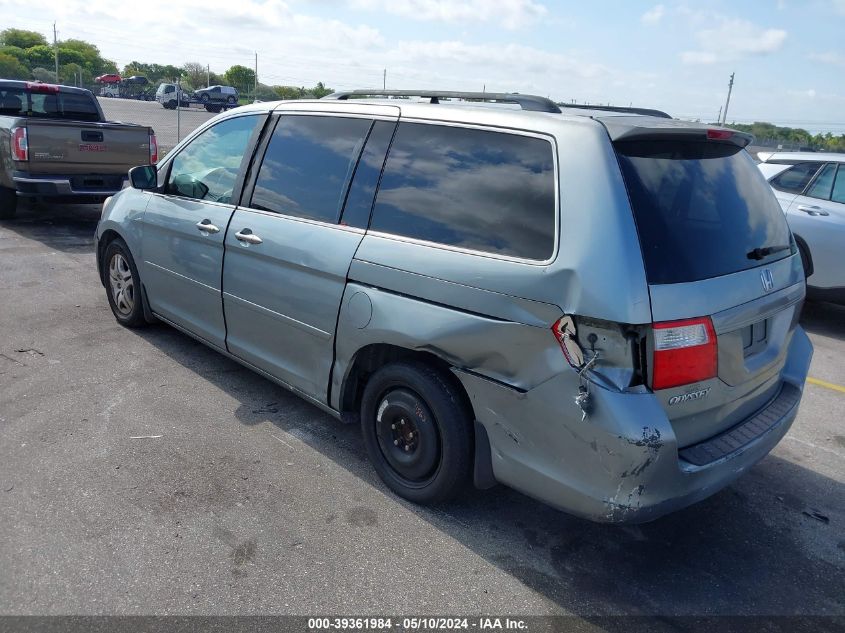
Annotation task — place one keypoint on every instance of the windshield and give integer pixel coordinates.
(702, 209)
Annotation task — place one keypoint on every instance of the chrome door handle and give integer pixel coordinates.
(812, 209)
(246, 235)
(207, 226)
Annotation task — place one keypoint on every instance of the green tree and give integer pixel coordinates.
(11, 68)
(22, 39)
(289, 92)
(319, 91)
(154, 72)
(16, 52)
(195, 75)
(265, 93)
(240, 77)
(40, 55)
(73, 73)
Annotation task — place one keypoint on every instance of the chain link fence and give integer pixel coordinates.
(136, 103)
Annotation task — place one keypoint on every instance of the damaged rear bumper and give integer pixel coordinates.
(622, 464)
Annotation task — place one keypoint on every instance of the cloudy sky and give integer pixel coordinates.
(789, 55)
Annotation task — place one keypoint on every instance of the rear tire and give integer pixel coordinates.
(8, 203)
(230, 101)
(123, 285)
(417, 432)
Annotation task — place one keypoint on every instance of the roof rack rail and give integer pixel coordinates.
(642, 111)
(526, 102)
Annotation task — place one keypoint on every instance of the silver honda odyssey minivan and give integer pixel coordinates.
(596, 307)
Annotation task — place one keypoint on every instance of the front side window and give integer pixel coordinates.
(475, 189)
(308, 165)
(207, 168)
(795, 179)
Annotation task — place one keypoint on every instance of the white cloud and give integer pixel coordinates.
(829, 57)
(734, 39)
(512, 14)
(653, 15)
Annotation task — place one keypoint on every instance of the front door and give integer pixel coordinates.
(287, 250)
(185, 225)
(818, 217)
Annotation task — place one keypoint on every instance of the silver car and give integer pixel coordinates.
(811, 190)
(597, 308)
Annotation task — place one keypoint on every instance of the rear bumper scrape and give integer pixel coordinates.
(622, 464)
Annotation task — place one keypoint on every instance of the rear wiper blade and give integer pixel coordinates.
(765, 251)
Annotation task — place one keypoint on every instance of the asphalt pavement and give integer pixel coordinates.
(170, 126)
(142, 473)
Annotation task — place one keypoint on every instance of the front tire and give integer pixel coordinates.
(123, 286)
(417, 432)
(8, 203)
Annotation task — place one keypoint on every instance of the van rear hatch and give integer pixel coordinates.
(724, 276)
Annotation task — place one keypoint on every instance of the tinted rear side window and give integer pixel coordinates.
(362, 191)
(795, 179)
(475, 189)
(700, 208)
(308, 166)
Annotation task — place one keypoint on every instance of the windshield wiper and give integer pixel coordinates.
(765, 251)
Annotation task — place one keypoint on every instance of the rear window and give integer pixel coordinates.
(475, 189)
(701, 209)
(64, 106)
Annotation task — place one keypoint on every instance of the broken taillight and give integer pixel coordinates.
(20, 146)
(684, 352)
(153, 149)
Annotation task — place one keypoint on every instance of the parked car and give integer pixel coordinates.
(597, 308)
(217, 94)
(166, 96)
(810, 187)
(108, 78)
(137, 80)
(56, 144)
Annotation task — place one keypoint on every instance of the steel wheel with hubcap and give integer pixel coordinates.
(417, 431)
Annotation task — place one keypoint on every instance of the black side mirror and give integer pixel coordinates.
(144, 177)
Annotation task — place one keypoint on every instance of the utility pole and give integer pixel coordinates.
(56, 50)
(207, 76)
(384, 80)
(255, 89)
(727, 103)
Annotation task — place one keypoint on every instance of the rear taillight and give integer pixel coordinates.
(153, 149)
(34, 86)
(20, 146)
(684, 352)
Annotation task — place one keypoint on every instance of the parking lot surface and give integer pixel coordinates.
(142, 473)
(170, 126)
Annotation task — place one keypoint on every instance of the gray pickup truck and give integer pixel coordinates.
(55, 144)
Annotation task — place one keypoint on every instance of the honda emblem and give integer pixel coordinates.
(767, 279)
